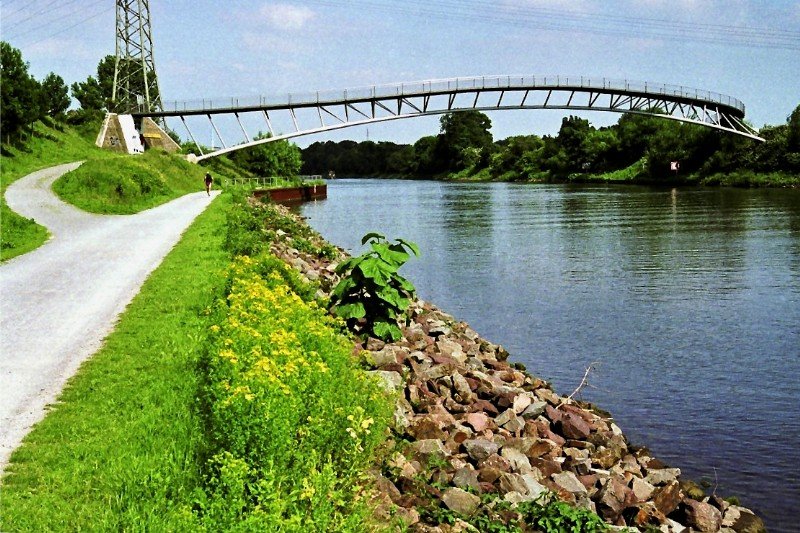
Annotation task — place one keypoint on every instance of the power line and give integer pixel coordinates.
(583, 21)
(618, 25)
(61, 19)
(25, 5)
(79, 23)
(36, 13)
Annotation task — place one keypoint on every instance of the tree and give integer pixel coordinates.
(425, 162)
(19, 100)
(510, 158)
(461, 134)
(89, 94)
(634, 131)
(54, 95)
(666, 145)
(277, 158)
(601, 148)
(793, 137)
(572, 138)
(94, 94)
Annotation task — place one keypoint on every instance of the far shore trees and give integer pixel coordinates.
(277, 158)
(637, 148)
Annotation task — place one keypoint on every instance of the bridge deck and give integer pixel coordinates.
(330, 110)
(673, 93)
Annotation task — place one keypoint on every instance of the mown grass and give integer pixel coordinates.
(48, 145)
(123, 184)
(121, 450)
(108, 182)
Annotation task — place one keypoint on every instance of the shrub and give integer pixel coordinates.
(372, 296)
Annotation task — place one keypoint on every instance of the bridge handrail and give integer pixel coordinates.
(445, 85)
(271, 181)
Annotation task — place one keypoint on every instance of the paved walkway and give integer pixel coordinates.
(58, 302)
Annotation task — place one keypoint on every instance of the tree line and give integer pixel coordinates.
(24, 99)
(636, 148)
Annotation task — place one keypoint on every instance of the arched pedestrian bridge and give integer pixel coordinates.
(316, 112)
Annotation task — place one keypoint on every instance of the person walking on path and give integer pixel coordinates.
(209, 180)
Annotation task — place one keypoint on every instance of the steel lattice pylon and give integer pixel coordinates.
(135, 80)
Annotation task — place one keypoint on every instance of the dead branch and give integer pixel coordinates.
(584, 382)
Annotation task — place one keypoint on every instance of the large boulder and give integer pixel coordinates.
(480, 448)
(662, 476)
(702, 516)
(460, 501)
(427, 449)
(668, 497)
(570, 483)
(742, 520)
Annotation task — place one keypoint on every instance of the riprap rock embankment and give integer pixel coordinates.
(469, 423)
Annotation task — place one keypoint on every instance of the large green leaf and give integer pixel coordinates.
(353, 310)
(389, 294)
(393, 255)
(378, 270)
(371, 236)
(386, 331)
(410, 245)
(343, 287)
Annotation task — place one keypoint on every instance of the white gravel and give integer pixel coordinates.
(59, 302)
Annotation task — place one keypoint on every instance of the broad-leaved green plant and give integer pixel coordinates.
(372, 297)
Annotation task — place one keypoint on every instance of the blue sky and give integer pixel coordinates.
(743, 48)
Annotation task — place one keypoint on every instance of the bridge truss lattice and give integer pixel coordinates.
(324, 111)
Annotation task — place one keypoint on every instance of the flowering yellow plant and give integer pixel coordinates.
(287, 399)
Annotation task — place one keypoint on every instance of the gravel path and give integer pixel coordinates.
(58, 302)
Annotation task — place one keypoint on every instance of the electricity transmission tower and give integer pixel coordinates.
(135, 81)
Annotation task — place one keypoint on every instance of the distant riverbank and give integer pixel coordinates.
(744, 179)
(628, 176)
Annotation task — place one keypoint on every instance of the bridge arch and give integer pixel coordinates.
(381, 103)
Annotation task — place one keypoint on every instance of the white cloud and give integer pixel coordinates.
(286, 16)
(59, 48)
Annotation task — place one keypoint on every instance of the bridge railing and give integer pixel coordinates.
(271, 181)
(448, 85)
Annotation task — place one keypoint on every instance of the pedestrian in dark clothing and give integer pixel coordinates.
(209, 181)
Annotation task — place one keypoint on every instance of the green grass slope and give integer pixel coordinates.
(123, 184)
(48, 145)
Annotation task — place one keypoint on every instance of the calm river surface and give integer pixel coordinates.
(689, 300)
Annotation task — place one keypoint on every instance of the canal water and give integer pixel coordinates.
(687, 300)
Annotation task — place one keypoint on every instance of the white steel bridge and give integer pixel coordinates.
(320, 111)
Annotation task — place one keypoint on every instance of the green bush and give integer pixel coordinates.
(372, 296)
(254, 225)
